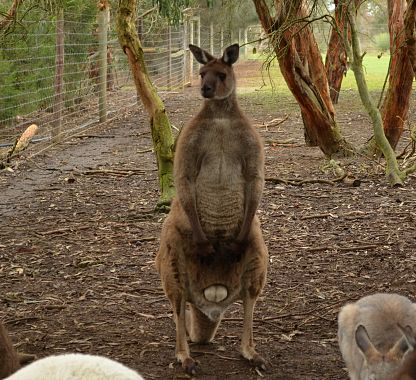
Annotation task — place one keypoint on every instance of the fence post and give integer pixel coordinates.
(211, 37)
(245, 42)
(185, 52)
(103, 16)
(169, 81)
(59, 76)
(191, 41)
(198, 30)
(222, 39)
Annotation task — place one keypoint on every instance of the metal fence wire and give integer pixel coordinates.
(28, 64)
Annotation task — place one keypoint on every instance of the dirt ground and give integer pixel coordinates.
(78, 239)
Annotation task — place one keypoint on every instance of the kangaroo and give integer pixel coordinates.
(9, 359)
(212, 251)
(371, 343)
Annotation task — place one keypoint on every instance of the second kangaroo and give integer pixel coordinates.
(212, 251)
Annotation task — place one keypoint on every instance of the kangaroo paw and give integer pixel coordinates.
(254, 358)
(259, 362)
(189, 365)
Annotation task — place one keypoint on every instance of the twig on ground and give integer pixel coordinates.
(63, 230)
(280, 142)
(300, 182)
(112, 172)
(145, 150)
(145, 238)
(95, 136)
(272, 123)
(313, 216)
(350, 248)
(215, 354)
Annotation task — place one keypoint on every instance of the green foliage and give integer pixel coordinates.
(231, 14)
(172, 9)
(25, 68)
(382, 41)
(27, 57)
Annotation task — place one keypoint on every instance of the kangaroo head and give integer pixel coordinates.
(217, 74)
(378, 365)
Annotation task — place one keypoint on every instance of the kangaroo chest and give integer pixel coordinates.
(220, 181)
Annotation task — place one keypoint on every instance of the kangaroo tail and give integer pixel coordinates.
(201, 329)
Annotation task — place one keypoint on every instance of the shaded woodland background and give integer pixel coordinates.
(79, 230)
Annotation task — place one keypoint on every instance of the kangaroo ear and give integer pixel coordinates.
(408, 335)
(200, 55)
(364, 343)
(231, 53)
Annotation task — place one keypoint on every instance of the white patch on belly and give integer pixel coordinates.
(216, 293)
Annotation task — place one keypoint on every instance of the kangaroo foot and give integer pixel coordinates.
(259, 362)
(189, 365)
(255, 359)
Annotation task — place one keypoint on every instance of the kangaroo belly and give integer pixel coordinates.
(220, 209)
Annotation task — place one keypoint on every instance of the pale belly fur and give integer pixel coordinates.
(220, 198)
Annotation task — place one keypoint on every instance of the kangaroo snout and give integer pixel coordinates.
(207, 91)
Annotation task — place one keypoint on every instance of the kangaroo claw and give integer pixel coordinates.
(189, 365)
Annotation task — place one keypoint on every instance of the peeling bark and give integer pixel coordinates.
(409, 28)
(302, 67)
(336, 64)
(159, 122)
(395, 108)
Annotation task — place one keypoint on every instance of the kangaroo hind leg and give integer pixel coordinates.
(200, 328)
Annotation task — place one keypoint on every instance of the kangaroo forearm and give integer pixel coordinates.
(246, 225)
(188, 204)
(252, 200)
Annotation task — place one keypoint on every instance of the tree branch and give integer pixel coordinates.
(393, 172)
(10, 16)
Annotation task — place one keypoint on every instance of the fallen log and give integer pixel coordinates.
(21, 144)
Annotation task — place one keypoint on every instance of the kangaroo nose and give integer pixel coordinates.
(207, 91)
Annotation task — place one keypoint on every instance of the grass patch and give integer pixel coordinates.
(375, 70)
(269, 81)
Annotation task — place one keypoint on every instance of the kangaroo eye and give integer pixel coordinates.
(202, 74)
(222, 76)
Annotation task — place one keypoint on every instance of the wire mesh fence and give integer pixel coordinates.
(29, 60)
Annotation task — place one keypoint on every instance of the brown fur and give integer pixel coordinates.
(9, 360)
(212, 236)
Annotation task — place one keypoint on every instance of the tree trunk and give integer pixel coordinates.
(10, 16)
(336, 58)
(409, 28)
(302, 67)
(159, 122)
(395, 107)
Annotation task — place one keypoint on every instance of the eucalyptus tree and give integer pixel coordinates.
(395, 107)
(300, 61)
(159, 122)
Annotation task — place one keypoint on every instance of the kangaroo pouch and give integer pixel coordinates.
(214, 283)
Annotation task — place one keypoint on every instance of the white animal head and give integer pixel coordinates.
(378, 365)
